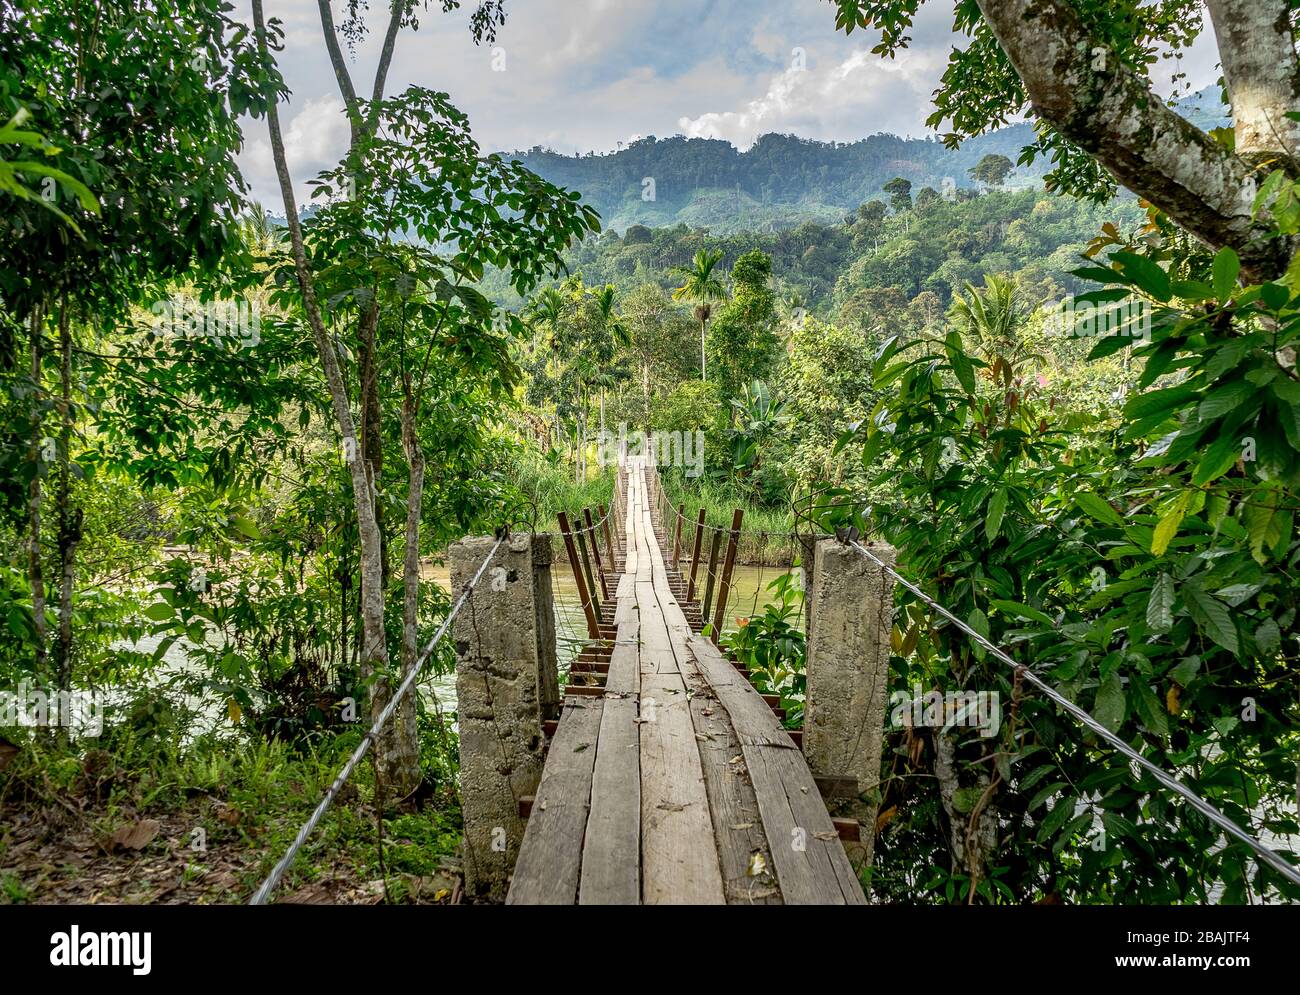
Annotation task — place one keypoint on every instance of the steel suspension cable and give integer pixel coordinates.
(264, 892)
(1270, 857)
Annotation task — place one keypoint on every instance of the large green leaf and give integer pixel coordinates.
(1160, 606)
(1098, 507)
(993, 517)
(1213, 616)
(1219, 458)
(1226, 267)
(1024, 611)
(1167, 527)
(1144, 274)
(1158, 404)
(1109, 706)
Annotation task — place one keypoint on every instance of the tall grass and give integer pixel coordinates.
(719, 501)
(549, 488)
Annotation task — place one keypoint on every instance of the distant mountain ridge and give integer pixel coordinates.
(783, 180)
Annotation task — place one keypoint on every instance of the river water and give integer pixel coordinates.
(748, 595)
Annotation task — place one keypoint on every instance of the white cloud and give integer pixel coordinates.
(586, 74)
(315, 138)
(857, 96)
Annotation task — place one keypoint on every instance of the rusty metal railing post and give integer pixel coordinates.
(695, 556)
(677, 539)
(595, 551)
(609, 538)
(712, 575)
(593, 627)
(727, 567)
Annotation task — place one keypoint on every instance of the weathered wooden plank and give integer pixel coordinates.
(678, 851)
(737, 825)
(611, 860)
(686, 774)
(657, 656)
(624, 675)
(750, 716)
(550, 857)
(811, 865)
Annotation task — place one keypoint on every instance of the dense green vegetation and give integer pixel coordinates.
(233, 451)
(871, 264)
(801, 312)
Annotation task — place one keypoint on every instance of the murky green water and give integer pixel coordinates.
(748, 595)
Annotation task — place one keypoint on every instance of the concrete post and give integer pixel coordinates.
(852, 604)
(506, 684)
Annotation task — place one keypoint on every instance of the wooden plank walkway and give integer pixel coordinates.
(678, 785)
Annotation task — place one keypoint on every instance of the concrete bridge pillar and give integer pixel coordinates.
(506, 685)
(850, 603)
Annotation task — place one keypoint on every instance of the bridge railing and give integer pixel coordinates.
(849, 609)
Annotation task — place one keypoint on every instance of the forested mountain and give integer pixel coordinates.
(782, 180)
(778, 182)
(935, 246)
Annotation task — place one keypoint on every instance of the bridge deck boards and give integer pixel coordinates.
(679, 786)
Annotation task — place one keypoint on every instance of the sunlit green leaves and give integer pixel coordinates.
(1167, 527)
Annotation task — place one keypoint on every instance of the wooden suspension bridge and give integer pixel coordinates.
(659, 774)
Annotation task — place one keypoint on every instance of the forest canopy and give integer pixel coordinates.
(1047, 364)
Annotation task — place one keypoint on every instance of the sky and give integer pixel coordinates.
(579, 75)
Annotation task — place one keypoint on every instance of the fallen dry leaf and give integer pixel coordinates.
(222, 879)
(883, 819)
(228, 814)
(757, 864)
(138, 835)
(312, 894)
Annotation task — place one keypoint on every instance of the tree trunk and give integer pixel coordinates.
(1257, 52)
(973, 837)
(36, 449)
(704, 377)
(69, 518)
(1111, 113)
(374, 656)
(372, 436)
(404, 769)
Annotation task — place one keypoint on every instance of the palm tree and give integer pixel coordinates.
(701, 286)
(608, 319)
(992, 317)
(545, 310)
